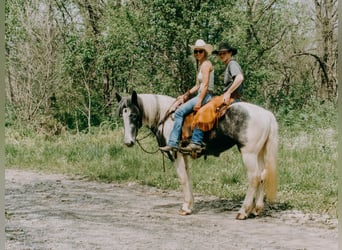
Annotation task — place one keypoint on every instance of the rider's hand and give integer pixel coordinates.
(181, 98)
(226, 98)
(197, 107)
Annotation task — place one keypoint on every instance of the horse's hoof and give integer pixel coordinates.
(183, 212)
(257, 211)
(241, 216)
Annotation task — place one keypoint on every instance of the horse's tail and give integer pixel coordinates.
(271, 148)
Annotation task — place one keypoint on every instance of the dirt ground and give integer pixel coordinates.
(49, 211)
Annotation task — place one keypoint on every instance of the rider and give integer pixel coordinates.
(204, 88)
(233, 81)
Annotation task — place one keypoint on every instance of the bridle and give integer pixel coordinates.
(139, 125)
(152, 131)
(162, 122)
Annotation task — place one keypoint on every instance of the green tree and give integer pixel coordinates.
(65, 59)
(32, 58)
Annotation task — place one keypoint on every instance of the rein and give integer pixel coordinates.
(150, 152)
(172, 108)
(143, 149)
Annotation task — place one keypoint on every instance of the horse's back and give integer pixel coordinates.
(250, 108)
(243, 124)
(249, 123)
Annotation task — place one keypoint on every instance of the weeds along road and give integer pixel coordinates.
(49, 211)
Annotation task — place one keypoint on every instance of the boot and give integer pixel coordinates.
(192, 147)
(168, 148)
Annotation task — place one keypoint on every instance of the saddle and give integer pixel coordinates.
(206, 117)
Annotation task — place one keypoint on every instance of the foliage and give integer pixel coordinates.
(65, 60)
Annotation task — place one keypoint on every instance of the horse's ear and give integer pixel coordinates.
(118, 97)
(134, 98)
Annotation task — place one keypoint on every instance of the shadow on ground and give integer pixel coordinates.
(233, 205)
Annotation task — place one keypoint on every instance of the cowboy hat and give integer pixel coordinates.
(225, 47)
(200, 44)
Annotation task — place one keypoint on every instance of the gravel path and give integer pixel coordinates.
(50, 211)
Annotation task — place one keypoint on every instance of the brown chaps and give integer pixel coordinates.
(206, 117)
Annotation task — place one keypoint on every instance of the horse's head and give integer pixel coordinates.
(132, 117)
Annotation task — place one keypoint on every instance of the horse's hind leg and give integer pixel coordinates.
(182, 169)
(251, 162)
(260, 193)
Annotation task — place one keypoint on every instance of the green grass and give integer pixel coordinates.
(308, 171)
(306, 163)
(98, 156)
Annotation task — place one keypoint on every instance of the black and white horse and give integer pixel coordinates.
(253, 129)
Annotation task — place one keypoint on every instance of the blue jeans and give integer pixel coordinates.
(180, 114)
(197, 136)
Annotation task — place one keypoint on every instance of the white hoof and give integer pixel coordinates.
(184, 212)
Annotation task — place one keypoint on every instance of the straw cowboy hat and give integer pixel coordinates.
(225, 47)
(200, 44)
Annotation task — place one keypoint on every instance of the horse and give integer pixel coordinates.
(253, 129)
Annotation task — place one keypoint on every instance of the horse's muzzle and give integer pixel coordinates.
(129, 143)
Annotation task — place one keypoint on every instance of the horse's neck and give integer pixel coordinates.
(154, 108)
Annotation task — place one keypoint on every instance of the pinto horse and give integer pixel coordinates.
(253, 129)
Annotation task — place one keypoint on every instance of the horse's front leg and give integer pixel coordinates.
(182, 169)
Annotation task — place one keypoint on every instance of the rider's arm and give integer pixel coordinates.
(236, 83)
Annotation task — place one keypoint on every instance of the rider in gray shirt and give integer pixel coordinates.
(233, 75)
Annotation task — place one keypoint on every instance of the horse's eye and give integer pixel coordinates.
(134, 117)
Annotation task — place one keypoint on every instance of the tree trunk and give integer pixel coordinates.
(326, 19)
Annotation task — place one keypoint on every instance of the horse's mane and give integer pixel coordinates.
(154, 108)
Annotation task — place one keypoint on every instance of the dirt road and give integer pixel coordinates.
(49, 211)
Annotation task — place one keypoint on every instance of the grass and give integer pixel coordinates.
(306, 163)
(308, 171)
